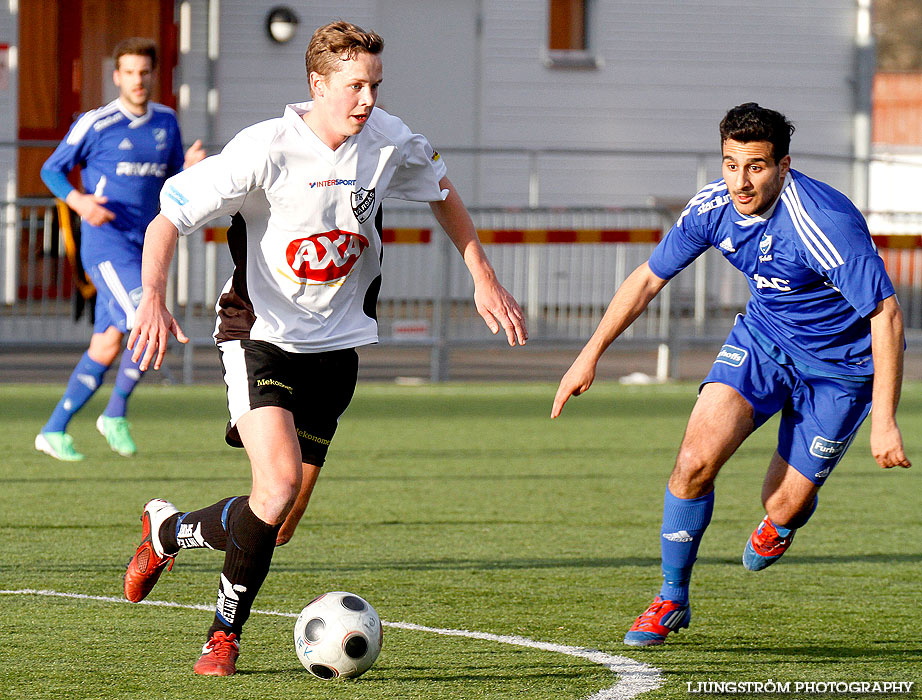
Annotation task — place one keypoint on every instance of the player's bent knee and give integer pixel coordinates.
(273, 503)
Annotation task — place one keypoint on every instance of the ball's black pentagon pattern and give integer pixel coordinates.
(321, 671)
(351, 602)
(356, 646)
(313, 630)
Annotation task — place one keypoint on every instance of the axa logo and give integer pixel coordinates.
(141, 169)
(773, 283)
(325, 257)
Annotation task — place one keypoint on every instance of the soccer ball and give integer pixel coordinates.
(338, 635)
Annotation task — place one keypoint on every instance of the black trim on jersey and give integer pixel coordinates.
(370, 305)
(235, 310)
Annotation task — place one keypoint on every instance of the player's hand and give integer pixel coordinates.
(194, 154)
(498, 308)
(90, 208)
(149, 336)
(887, 447)
(577, 380)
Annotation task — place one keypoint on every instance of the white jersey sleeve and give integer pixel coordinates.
(218, 185)
(419, 167)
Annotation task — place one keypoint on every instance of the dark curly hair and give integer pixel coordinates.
(751, 122)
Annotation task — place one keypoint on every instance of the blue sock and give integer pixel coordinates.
(128, 377)
(83, 383)
(684, 523)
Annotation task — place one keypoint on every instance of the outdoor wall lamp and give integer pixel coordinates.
(281, 24)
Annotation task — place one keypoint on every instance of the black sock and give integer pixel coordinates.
(250, 544)
(198, 529)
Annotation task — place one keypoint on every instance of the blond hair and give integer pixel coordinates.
(338, 41)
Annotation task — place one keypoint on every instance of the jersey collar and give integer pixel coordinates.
(294, 113)
(134, 120)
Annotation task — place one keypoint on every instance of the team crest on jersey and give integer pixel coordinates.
(325, 257)
(765, 245)
(160, 138)
(363, 204)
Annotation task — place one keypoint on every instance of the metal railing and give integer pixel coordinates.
(563, 266)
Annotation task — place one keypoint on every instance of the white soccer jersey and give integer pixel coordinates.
(304, 238)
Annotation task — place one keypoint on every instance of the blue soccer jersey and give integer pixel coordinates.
(813, 270)
(126, 158)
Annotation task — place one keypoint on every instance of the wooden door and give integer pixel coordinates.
(66, 69)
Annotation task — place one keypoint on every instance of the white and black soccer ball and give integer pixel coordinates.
(338, 635)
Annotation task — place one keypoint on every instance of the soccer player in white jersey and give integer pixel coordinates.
(126, 150)
(304, 191)
(821, 337)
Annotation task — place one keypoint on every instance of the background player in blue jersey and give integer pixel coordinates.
(821, 342)
(125, 150)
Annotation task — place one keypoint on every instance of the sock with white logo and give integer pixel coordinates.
(199, 529)
(684, 523)
(84, 381)
(250, 545)
(127, 379)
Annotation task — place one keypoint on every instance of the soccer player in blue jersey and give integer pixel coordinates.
(821, 342)
(125, 151)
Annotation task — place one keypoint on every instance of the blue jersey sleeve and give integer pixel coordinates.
(844, 253)
(57, 182)
(684, 242)
(69, 153)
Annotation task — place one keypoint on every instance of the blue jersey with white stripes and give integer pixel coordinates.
(813, 271)
(126, 158)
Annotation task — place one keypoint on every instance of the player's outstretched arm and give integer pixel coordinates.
(494, 303)
(887, 351)
(153, 322)
(632, 297)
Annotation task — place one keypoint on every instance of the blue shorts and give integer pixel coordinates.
(118, 293)
(820, 414)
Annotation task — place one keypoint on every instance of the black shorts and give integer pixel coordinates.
(315, 387)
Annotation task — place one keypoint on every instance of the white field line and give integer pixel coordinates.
(635, 677)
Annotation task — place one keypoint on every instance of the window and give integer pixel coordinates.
(567, 25)
(567, 36)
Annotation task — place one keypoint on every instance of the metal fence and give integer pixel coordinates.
(563, 266)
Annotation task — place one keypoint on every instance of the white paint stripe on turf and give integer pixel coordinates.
(634, 677)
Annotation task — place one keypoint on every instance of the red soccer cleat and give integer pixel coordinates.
(149, 561)
(661, 618)
(765, 546)
(219, 655)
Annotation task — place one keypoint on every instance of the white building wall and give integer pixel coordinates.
(473, 75)
(9, 106)
(669, 72)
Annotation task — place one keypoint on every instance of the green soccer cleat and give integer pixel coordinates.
(115, 430)
(58, 445)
